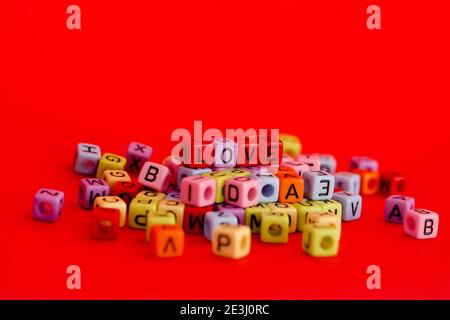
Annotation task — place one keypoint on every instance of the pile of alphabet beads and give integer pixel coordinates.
(231, 199)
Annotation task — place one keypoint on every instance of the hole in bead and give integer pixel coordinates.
(267, 190)
(244, 242)
(104, 226)
(252, 194)
(326, 242)
(208, 194)
(411, 224)
(275, 229)
(45, 208)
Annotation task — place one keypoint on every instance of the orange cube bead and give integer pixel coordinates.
(291, 186)
(370, 181)
(167, 240)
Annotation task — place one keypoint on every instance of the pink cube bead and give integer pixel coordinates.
(225, 153)
(198, 191)
(242, 191)
(155, 176)
(312, 160)
(238, 212)
(363, 163)
(91, 189)
(48, 205)
(396, 206)
(137, 154)
(421, 223)
(297, 166)
(173, 163)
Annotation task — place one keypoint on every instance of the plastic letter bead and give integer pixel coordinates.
(291, 186)
(155, 176)
(326, 218)
(225, 153)
(296, 166)
(113, 176)
(220, 177)
(184, 172)
(421, 224)
(319, 185)
(199, 191)
(137, 154)
(174, 164)
(48, 205)
(87, 158)
(157, 219)
(194, 218)
(304, 208)
(125, 190)
(90, 188)
(275, 227)
(174, 206)
(110, 161)
(392, 183)
(351, 205)
(331, 206)
(237, 172)
(150, 195)
(370, 181)
(312, 160)
(167, 241)
(253, 216)
(288, 209)
(238, 212)
(112, 202)
(363, 163)
(327, 163)
(213, 219)
(320, 240)
(231, 241)
(269, 187)
(348, 181)
(139, 208)
(396, 206)
(242, 191)
(105, 223)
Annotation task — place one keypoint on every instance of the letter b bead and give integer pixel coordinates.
(421, 224)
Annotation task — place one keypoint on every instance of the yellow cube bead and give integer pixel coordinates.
(110, 161)
(275, 227)
(287, 208)
(137, 213)
(113, 176)
(291, 144)
(235, 172)
(331, 206)
(111, 202)
(304, 208)
(231, 241)
(158, 219)
(175, 207)
(325, 218)
(253, 216)
(320, 240)
(150, 195)
(220, 177)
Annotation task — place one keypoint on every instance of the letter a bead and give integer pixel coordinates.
(396, 206)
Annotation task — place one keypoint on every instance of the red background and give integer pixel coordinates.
(137, 70)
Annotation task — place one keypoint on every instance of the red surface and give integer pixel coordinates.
(136, 71)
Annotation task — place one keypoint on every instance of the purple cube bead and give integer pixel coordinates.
(87, 158)
(48, 205)
(363, 163)
(238, 212)
(137, 155)
(91, 188)
(396, 207)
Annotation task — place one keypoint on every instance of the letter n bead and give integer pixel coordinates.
(167, 241)
(396, 206)
(155, 176)
(48, 205)
(199, 191)
(231, 241)
(242, 191)
(421, 224)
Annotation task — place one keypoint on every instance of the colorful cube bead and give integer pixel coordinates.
(231, 241)
(370, 181)
(238, 212)
(242, 191)
(291, 186)
(194, 218)
(275, 227)
(421, 224)
(173, 195)
(327, 163)
(110, 161)
(351, 205)
(220, 177)
(213, 219)
(184, 172)
(174, 206)
(173, 163)
(155, 176)
(288, 209)
(396, 206)
(157, 219)
(237, 172)
(296, 166)
(91, 188)
(320, 240)
(363, 163)
(87, 158)
(304, 208)
(253, 216)
(138, 211)
(319, 185)
(312, 160)
(105, 223)
(291, 144)
(331, 206)
(137, 154)
(111, 202)
(199, 191)
(325, 218)
(392, 183)
(225, 153)
(348, 181)
(150, 195)
(269, 187)
(113, 176)
(167, 241)
(48, 205)
(125, 190)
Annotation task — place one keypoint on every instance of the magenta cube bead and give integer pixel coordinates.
(91, 188)
(396, 206)
(238, 212)
(137, 154)
(48, 205)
